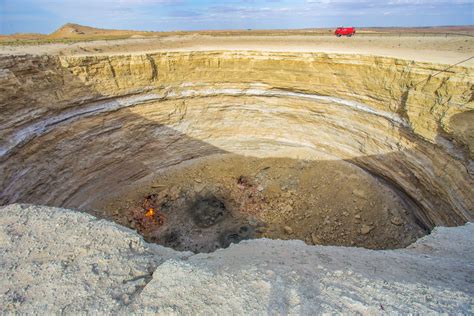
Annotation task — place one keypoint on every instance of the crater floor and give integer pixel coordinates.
(211, 202)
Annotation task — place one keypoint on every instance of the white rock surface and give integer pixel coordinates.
(57, 260)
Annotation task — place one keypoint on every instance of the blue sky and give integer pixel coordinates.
(44, 16)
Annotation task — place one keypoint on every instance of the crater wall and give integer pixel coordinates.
(74, 129)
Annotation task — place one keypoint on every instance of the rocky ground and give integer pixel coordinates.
(211, 202)
(60, 261)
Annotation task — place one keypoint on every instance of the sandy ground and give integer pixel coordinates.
(430, 48)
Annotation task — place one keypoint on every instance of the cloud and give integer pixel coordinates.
(149, 2)
(205, 14)
(184, 13)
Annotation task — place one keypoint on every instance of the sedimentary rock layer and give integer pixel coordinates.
(76, 129)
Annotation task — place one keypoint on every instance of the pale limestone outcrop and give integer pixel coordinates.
(73, 129)
(61, 261)
(56, 260)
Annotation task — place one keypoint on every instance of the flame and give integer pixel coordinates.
(150, 212)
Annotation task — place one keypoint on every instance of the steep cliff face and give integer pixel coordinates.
(74, 129)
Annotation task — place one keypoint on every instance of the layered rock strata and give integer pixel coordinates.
(76, 129)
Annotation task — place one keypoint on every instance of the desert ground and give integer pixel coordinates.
(437, 45)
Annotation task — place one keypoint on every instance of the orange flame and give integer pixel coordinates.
(150, 212)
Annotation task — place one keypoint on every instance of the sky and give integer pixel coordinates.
(44, 16)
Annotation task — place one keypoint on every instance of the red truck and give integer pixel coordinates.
(348, 31)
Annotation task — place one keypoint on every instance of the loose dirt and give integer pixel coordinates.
(212, 202)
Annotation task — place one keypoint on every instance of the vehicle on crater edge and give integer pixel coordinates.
(347, 31)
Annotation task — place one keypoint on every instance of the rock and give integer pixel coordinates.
(357, 216)
(134, 277)
(286, 209)
(315, 239)
(253, 222)
(365, 229)
(286, 195)
(288, 230)
(396, 220)
(198, 180)
(359, 193)
(71, 245)
(174, 192)
(126, 299)
(260, 188)
(198, 188)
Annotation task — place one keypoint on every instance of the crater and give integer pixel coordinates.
(199, 150)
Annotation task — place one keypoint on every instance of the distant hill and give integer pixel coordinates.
(75, 32)
(71, 30)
